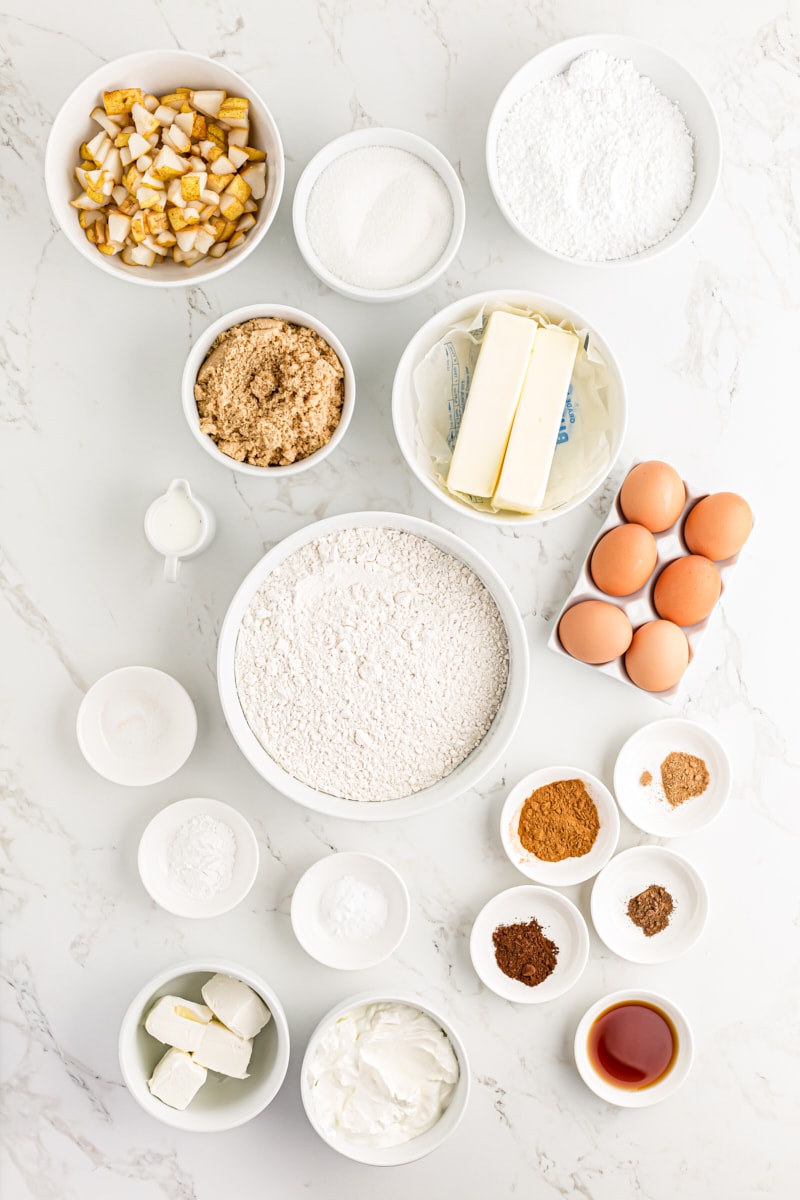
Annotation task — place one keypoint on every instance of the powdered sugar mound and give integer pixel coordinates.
(596, 163)
(370, 663)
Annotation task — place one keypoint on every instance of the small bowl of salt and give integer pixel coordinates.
(378, 214)
(350, 911)
(198, 858)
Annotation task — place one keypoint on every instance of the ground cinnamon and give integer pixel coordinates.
(524, 952)
(683, 776)
(559, 821)
(651, 909)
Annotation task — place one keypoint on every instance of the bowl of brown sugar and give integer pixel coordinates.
(268, 390)
(559, 826)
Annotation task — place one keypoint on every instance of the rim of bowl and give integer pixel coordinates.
(401, 139)
(387, 996)
(657, 1092)
(419, 345)
(135, 1010)
(140, 60)
(606, 42)
(418, 802)
(199, 352)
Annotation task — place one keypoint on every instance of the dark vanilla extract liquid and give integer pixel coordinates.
(632, 1045)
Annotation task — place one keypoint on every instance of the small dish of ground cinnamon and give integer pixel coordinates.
(268, 390)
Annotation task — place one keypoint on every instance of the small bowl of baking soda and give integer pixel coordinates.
(350, 911)
(378, 214)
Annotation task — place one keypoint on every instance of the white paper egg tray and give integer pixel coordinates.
(639, 606)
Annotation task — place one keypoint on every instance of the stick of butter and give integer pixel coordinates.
(236, 1005)
(220, 1050)
(176, 1079)
(534, 434)
(177, 1022)
(491, 404)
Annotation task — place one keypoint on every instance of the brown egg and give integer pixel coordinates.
(594, 631)
(687, 590)
(653, 495)
(658, 656)
(623, 560)
(718, 526)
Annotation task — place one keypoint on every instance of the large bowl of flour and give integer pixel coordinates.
(372, 666)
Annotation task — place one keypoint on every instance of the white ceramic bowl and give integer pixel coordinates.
(468, 773)
(333, 950)
(358, 140)
(645, 805)
(153, 858)
(136, 726)
(670, 77)
(569, 870)
(221, 1103)
(157, 71)
(425, 1143)
(560, 921)
(404, 400)
(630, 873)
(198, 354)
(656, 1092)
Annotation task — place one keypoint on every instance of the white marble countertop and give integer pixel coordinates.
(93, 431)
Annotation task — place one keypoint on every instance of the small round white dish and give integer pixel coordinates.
(154, 855)
(221, 1103)
(670, 77)
(136, 726)
(406, 405)
(198, 354)
(424, 1143)
(360, 139)
(655, 1093)
(632, 872)
(568, 870)
(473, 768)
(644, 804)
(157, 71)
(560, 921)
(314, 933)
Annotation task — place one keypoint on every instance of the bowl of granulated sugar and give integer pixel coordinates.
(603, 150)
(378, 214)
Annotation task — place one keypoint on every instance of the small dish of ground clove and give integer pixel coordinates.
(649, 904)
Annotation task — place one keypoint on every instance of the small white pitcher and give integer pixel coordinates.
(179, 526)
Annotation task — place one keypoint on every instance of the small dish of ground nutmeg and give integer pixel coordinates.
(672, 778)
(559, 826)
(649, 905)
(529, 944)
(268, 390)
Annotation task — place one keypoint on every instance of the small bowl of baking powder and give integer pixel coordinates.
(268, 390)
(379, 214)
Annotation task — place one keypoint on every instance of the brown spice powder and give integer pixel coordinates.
(559, 821)
(683, 776)
(651, 909)
(270, 393)
(524, 952)
(645, 779)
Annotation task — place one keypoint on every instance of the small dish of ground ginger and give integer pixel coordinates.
(672, 778)
(268, 390)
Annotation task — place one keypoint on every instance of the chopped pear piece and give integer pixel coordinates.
(121, 101)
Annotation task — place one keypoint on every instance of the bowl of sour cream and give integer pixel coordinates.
(385, 1079)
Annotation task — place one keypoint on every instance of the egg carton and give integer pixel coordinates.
(639, 607)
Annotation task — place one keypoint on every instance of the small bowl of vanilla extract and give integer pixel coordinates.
(633, 1048)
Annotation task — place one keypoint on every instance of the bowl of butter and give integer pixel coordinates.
(204, 1046)
(509, 407)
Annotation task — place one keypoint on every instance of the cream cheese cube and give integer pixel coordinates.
(222, 1051)
(491, 404)
(534, 434)
(176, 1079)
(177, 1022)
(236, 1005)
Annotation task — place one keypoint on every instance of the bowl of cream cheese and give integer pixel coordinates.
(385, 1079)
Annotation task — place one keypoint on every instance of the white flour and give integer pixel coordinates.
(370, 663)
(596, 163)
(201, 857)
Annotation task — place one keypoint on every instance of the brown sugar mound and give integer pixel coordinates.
(270, 393)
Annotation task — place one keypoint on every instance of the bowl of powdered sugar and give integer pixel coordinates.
(603, 150)
(372, 666)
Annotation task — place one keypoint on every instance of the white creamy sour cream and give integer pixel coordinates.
(381, 1075)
